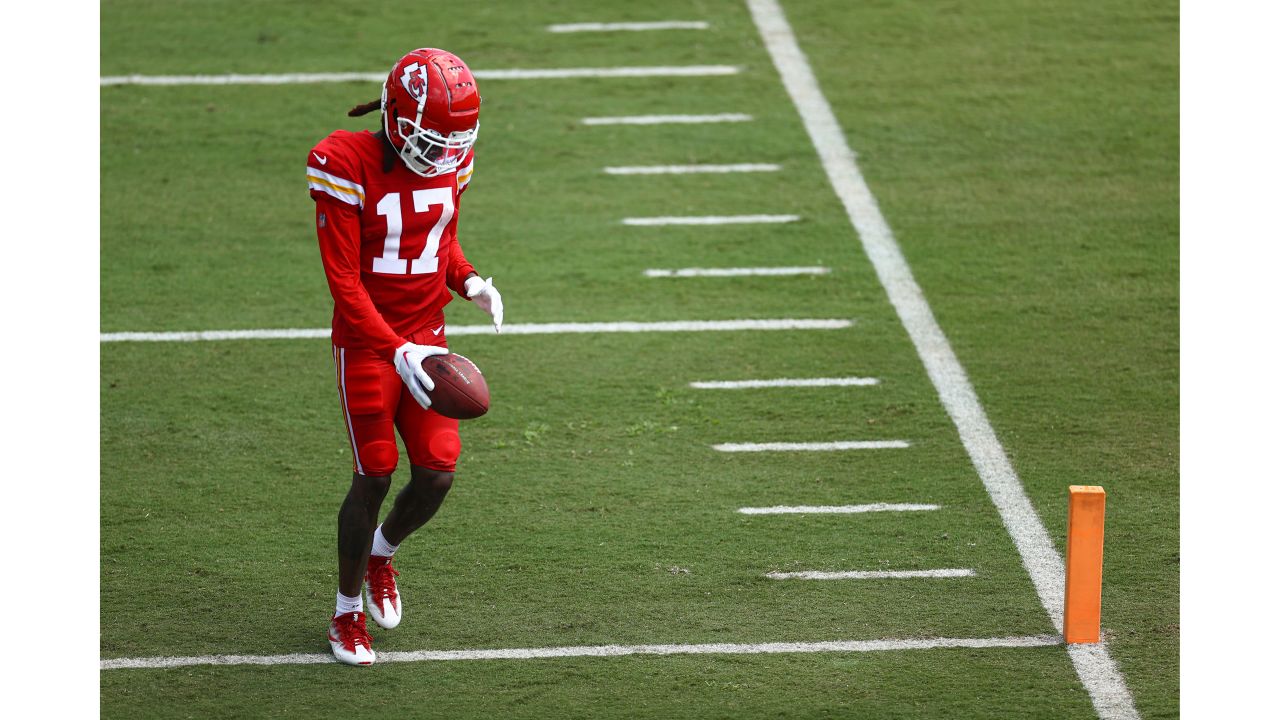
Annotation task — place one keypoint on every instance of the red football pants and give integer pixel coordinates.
(376, 403)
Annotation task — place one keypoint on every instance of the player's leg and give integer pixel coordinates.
(369, 390)
(433, 445)
(357, 519)
(416, 504)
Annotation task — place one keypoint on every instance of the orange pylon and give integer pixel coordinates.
(1082, 617)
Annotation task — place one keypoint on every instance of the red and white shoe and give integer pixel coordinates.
(382, 597)
(350, 640)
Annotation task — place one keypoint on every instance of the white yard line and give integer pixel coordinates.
(812, 446)
(781, 382)
(1098, 673)
(199, 335)
(836, 509)
(711, 220)
(667, 119)
(734, 272)
(514, 74)
(512, 329)
(629, 26)
(691, 169)
(870, 574)
(1019, 641)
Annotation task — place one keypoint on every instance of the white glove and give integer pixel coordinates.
(409, 359)
(485, 295)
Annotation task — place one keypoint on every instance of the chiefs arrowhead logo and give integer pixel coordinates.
(414, 80)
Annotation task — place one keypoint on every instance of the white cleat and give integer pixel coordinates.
(350, 640)
(382, 596)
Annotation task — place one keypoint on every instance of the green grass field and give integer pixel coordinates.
(1025, 154)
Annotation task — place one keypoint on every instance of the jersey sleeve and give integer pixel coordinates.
(457, 268)
(338, 202)
(332, 172)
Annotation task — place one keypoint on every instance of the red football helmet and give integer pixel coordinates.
(431, 110)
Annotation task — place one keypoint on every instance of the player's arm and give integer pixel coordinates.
(338, 229)
(460, 275)
(338, 202)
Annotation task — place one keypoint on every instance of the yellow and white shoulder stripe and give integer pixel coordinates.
(340, 188)
(464, 175)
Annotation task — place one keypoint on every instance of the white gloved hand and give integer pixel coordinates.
(409, 359)
(487, 297)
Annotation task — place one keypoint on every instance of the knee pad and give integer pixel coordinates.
(378, 457)
(443, 449)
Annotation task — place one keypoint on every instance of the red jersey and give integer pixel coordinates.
(388, 240)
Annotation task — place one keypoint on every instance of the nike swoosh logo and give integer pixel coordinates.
(322, 158)
(437, 330)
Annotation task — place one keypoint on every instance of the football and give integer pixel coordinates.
(461, 392)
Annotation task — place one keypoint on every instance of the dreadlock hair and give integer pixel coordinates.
(365, 109)
(388, 152)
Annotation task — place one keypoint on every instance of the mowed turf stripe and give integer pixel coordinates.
(667, 119)
(1095, 667)
(812, 446)
(837, 509)
(514, 329)
(1016, 641)
(870, 574)
(512, 74)
(781, 382)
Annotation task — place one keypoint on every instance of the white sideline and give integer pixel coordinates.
(780, 382)
(691, 169)
(512, 329)
(632, 26)
(734, 272)
(711, 220)
(812, 446)
(513, 74)
(836, 509)
(1094, 666)
(666, 119)
(1017, 641)
(870, 574)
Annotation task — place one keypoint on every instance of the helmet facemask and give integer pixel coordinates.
(428, 153)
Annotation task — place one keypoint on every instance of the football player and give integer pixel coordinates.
(387, 218)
